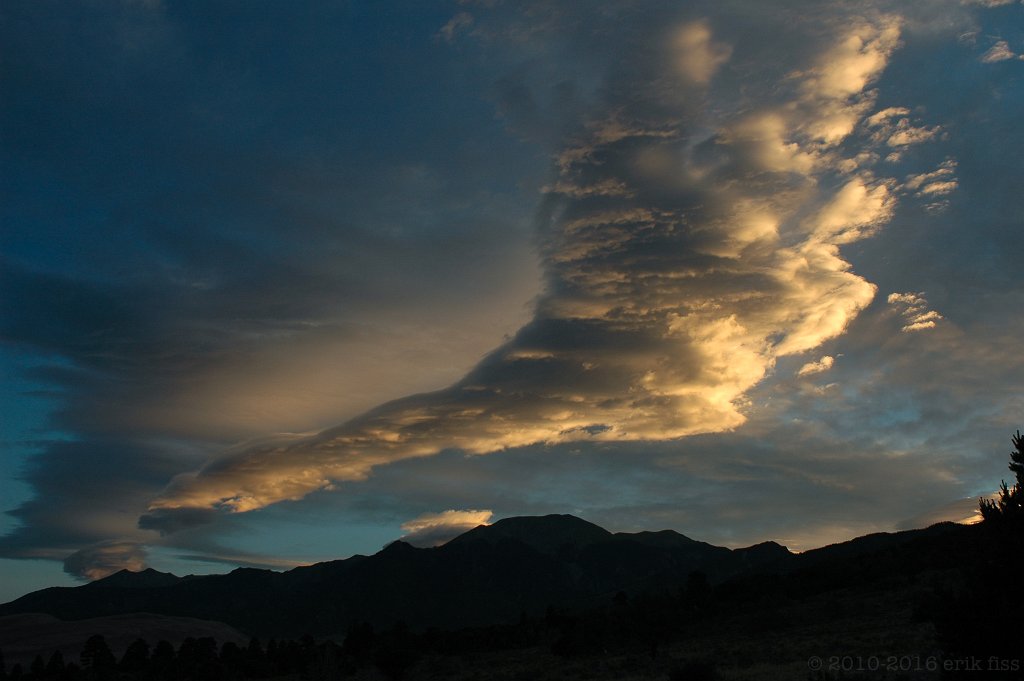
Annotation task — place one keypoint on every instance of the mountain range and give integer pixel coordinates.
(489, 575)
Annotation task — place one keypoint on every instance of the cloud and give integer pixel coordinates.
(696, 55)
(337, 225)
(856, 210)
(678, 272)
(939, 182)
(999, 52)
(965, 511)
(836, 87)
(988, 3)
(235, 559)
(457, 24)
(914, 309)
(894, 127)
(934, 186)
(858, 57)
(434, 529)
(822, 365)
(297, 274)
(104, 559)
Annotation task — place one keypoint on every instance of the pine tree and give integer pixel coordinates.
(1009, 507)
(136, 657)
(38, 667)
(55, 667)
(97, 659)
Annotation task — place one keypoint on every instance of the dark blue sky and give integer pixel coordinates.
(628, 261)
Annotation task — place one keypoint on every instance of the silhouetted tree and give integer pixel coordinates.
(161, 662)
(97, 660)
(136, 658)
(16, 672)
(197, 659)
(3, 666)
(698, 591)
(232, 659)
(359, 642)
(38, 667)
(979, 620)
(693, 670)
(324, 662)
(397, 653)
(55, 667)
(1009, 508)
(256, 666)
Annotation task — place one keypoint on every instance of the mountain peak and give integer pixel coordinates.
(766, 551)
(665, 539)
(397, 548)
(546, 534)
(144, 579)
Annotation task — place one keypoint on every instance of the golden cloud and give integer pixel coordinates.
(678, 271)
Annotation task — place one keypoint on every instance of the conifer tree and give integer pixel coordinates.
(38, 667)
(1009, 507)
(97, 659)
(55, 667)
(136, 657)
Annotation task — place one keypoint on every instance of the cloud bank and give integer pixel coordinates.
(773, 259)
(691, 239)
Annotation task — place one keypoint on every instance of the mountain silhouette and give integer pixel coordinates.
(126, 579)
(489, 575)
(550, 534)
(538, 597)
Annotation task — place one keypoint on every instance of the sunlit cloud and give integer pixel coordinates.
(820, 366)
(965, 511)
(697, 55)
(836, 87)
(939, 182)
(434, 529)
(999, 52)
(914, 309)
(642, 250)
(677, 275)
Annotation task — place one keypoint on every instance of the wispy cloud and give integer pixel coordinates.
(914, 309)
(820, 366)
(457, 24)
(999, 52)
(434, 529)
(938, 182)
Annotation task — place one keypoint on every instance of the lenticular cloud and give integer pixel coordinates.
(690, 238)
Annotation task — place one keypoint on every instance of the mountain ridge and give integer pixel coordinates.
(488, 575)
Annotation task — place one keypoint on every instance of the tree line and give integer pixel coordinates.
(644, 622)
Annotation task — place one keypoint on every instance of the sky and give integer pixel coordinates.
(284, 282)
